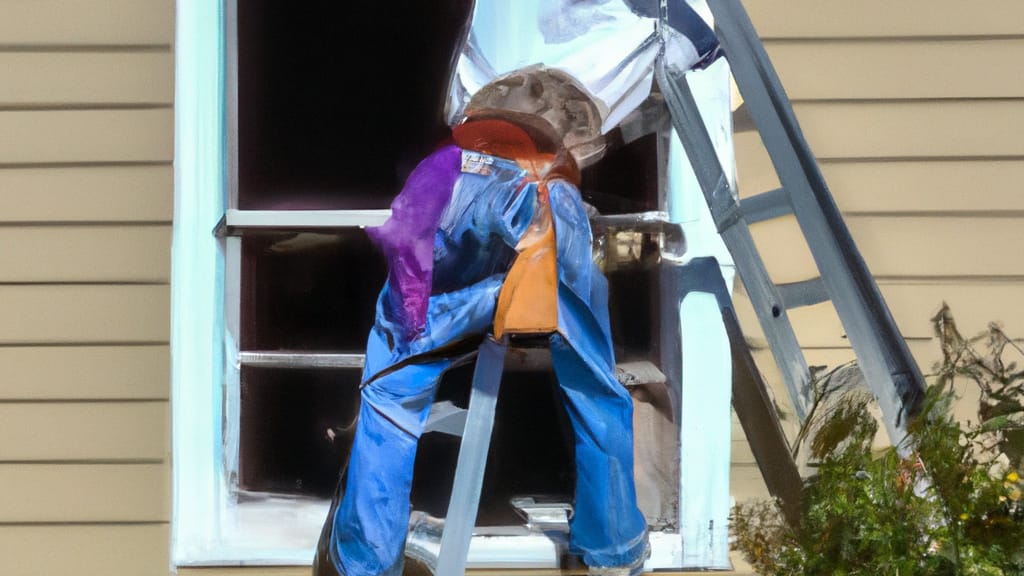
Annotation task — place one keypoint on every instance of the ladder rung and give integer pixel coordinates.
(766, 205)
(446, 418)
(805, 293)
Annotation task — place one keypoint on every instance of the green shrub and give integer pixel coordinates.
(952, 505)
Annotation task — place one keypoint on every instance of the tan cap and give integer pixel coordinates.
(550, 94)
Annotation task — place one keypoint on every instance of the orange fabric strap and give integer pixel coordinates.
(528, 301)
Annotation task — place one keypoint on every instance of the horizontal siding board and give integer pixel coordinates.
(974, 305)
(922, 246)
(76, 136)
(741, 452)
(77, 78)
(85, 372)
(84, 550)
(85, 253)
(902, 246)
(785, 252)
(55, 314)
(884, 18)
(87, 194)
(917, 129)
(83, 431)
(899, 69)
(87, 22)
(747, 483)
(84, 493)
(925, 353)
(924, 186)
(868, 186)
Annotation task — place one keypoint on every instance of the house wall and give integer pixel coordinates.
(914, 108)
(86, 191)
(915, 111)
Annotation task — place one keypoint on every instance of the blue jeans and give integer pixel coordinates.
(370, 525)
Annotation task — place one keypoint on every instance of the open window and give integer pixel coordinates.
(328, 108)
(331, 119)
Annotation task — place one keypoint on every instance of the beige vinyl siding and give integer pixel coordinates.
(916, 116)
(117, 492)
(87, 431)
(86, 136)
(882, 185)
(110, 372)
(86, 198)
(937, 130)
(913, 302)
(878, 19)
(86, 253)
(94, 549)
(85, 314)
(901, 246)
(899, 69)
(147, 25)
(87, 194)
(95, 78)
(952, 187)
(914, 129)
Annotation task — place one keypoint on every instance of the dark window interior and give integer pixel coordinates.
(295, 428)
(296, 432)
(632, 311)
(531, 448)
(338, 101)
(626, 180)
(309, 292)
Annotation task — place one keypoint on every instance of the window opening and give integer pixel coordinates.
(323, 127)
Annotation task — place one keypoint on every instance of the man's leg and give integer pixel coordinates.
(607, 527)
(372, 520)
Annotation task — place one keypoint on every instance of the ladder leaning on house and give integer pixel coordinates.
(844, 278)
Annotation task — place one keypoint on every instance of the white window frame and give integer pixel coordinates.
(208, 528)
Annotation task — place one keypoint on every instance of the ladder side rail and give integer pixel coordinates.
(731, 224)
(472, 460)
(882, 352)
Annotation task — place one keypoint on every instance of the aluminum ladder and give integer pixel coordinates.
(844, 278)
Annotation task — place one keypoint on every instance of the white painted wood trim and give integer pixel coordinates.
(297, 219)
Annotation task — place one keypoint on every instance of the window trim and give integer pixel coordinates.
(207, 530)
